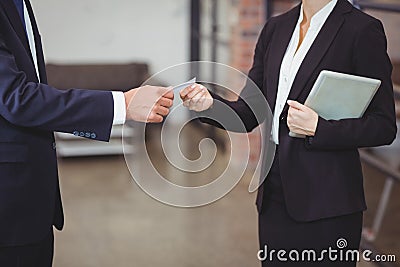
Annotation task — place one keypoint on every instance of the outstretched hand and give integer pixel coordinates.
(196, 97)
(148, 103)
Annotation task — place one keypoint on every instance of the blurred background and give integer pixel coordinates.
(110, 221)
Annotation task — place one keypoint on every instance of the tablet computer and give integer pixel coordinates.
(337, 96)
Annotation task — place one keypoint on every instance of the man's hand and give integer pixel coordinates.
(148, 103)
(301, 119)
(196, 97)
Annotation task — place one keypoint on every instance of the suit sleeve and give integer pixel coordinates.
(39, 106)
(250, 106)
(378, 125)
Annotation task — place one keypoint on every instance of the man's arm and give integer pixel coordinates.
(43, 107)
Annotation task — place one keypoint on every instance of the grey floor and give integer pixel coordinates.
(110, 221)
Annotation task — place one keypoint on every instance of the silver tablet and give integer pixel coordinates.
(337, 96)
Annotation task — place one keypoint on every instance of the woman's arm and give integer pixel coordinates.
(378, 125)
(250, 102)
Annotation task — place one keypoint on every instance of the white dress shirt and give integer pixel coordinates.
(119, 98)
(293, 59)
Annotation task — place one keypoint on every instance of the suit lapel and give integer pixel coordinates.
(39, 50)
(279, 44)
(319, 48)
(16, 22)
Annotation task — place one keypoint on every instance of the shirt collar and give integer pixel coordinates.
(321, 16)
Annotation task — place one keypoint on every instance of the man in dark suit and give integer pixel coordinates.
(30, 110)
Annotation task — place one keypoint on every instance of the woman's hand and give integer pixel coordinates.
(301, 119)
(196, 97)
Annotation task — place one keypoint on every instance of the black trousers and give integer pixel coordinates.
(33, 255)
(339, 236)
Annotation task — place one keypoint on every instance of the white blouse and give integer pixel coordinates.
(292, 60)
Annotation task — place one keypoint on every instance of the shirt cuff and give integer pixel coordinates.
(119, 108)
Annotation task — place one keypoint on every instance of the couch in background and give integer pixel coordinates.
(119, 77)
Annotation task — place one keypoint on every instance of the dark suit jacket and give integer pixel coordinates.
(30, 111)
(322, 176)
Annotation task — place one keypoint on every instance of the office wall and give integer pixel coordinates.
(101, 31)
(391, 22)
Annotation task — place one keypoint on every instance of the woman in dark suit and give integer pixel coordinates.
(313, 197)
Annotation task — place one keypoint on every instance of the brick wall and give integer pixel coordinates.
(246, 29)
(244, 34)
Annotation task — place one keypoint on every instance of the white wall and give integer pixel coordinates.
(101, 31)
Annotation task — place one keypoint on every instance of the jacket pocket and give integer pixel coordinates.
(13, 153)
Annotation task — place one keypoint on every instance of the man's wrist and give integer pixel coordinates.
(120, 107)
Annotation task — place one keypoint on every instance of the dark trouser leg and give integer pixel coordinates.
(33, 255)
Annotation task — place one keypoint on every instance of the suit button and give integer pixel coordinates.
(283, 118)
(76, 133)
(93, 135)
(82, 134)
(87, 135)
(310, 140)
(54, 145)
